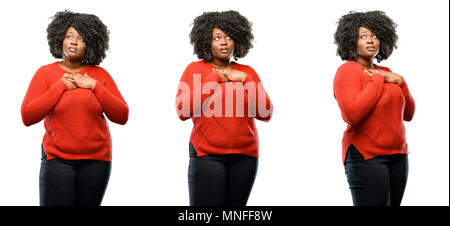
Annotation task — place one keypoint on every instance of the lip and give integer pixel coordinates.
(224, 50)
(72, 49)
(370, 48)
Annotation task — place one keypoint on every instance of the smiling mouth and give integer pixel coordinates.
(224, 50)
(370, 48)
(72, 49)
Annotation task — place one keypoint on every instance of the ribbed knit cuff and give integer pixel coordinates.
(60, 86)
(403, 83)
(377, 78)
(213, 77)
(247, 79)
(98, 88)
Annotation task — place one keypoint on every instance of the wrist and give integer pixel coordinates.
(93, 85)
(244, 76)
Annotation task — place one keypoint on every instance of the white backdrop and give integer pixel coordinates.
(300, 148)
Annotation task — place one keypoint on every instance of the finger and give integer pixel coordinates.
(78, 77)
(71, 80)
(221, 72)
(379, 71)
(227, 75)
(228, 71)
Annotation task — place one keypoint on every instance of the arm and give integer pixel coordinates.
(400, 81)
(410, 105)
(265, 111)
(190, 87)
(251, 81)
(40, 100)
(355, 103)
(112, 102)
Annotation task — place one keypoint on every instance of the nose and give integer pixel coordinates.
(223, 41)
(74, 41)
(369, 39)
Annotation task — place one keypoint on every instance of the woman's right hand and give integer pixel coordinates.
(70, 85)
(222, 75)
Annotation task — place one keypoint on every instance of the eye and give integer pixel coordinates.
(69, 37)
(228, 38)
(362, 37)
(81, 39)
(216, 38)
(374, 36)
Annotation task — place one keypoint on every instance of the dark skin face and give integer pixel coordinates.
(74, 49)
(222, 47)
(367, 47)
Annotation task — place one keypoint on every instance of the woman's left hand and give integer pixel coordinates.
(83, 81)
(390, 77)
(233, 75)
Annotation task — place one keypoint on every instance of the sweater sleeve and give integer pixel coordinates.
(354, 101)
(189, 87)
(263, 111)
(112, 102)
(410, 105)
(40, 99)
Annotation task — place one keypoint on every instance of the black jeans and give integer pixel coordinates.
(72, 182)
(379, 181)
(220, 180)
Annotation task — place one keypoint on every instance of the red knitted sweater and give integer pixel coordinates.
(75, 126)
(374, 111)
(223, 113)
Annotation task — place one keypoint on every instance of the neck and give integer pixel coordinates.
(365, 62)
(220, 63)
(72, 65)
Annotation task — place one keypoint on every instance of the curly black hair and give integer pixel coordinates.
(378, 22)
(231, 22)
(94, 32)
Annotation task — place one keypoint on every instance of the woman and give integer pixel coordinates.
(71, 96)
(374, 102)
(222, 97)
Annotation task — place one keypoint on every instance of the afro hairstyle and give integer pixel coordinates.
(346, 35)
(231, 22)
(94, 32)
